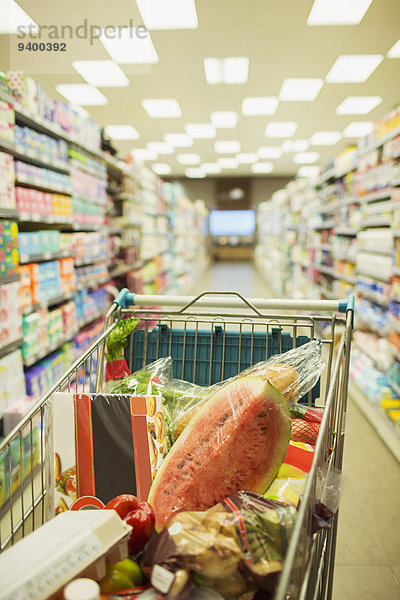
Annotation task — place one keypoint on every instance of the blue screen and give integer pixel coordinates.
(232, 222)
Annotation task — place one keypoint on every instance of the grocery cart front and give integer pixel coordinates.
(210, 337)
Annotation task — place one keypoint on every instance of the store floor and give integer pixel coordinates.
(368, 547)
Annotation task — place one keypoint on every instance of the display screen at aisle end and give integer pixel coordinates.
(232, 222)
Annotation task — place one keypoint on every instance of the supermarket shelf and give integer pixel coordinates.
(375, 251)
(10, 347)
(346, 231)
(93, 285)
(389, 136)
(396, 182)
(325, 292)
(328, 247)
(377, 276)
(80, 262)
(88, 226)
(61, 221)
(377, 195)
(348, 278)
(8, 213)
(83, 322)
(78, 164)
(34, 358)
(376, 298)
(396, 233)
(9, 278)
(376, 417)
(326, 176)
(325, 210)
(348, 201)
(129, 198)
(35, 183)
(47, 303)
(326, 225)
(323, 269)
(384, 221)
(29, 156)
(33, 258)
(344, 256)
(113, 191)
(396, 271)
(125, 269)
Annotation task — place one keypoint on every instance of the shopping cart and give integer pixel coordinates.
(210, 337)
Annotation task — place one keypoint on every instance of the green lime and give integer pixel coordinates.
(114, 580)
(131, 569)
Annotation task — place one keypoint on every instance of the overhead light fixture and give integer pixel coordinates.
(168, 14)
(353, 68)
(308, 171)
(358, 105)
(200, 131)
(101, 73)
(300, 145)
(227, 147)
(14, 19)
(211, 168)
(224, 119)
(81, 94)
(160, 147)
(127, 47)
(227, 162)
(269, 152)
(189, 159)
(178, 140)
(162, 108)
(280, 129)
(300, 89)
(233, 70)
(195, 173)
(338, 12)
(259, 106)
(121, 132)
(306, 158)
(325, 138)
(358, 129)
(262, 167)
(247, 158)
(143, 154)
(161, 168)
(394, 51)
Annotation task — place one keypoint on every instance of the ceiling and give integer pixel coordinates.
(275, 37)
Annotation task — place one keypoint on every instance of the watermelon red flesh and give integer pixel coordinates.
(237, 441)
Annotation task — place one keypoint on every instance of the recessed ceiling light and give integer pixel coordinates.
(127, 47)
(280, 129)
(81, 94)
(227, 147)
(160, 147)
(325, 138)
(200, 131)
(121, 132)
(143, 154)
(255, 107)
(210, 168)
(300, 145)
(269, 152)
(262, 167)
(232, 70)
(353, 68)
(168, 14)
(14, 19)
(161, 168)
(358, 129)
(308, 171)
(394, 51)
(101, 73)
(338, 12)
(358, 105)
(227, 163)
(247, 158)
(224, 119)
(162, 108)
(189, 159)
(300, 89)
(306, 158)
(195, 173)
(178, 140)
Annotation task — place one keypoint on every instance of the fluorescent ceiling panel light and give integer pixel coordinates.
(143, 154)
(124, 46)
(189, 159)
(160, 147)
(300, 89)
(308, 171)
(227, 147)
(300, 145)
(224, 119)
(227, 163)
(353, 68)
(306, 158)
(81, 94)
(394, 51)
(358, 105)
(211, 168)
(257, 107)
(233, 70)
(121, 132)
(101, 73)
(280, 129)
(247, 158)
(178, 140)
(325, 138)
(162, 108)
(161, 168)
(262, 167)
(338, 12)
(12, 17)
(200, 131)
(195, 173)
(269, 152)
(168, 14)
(358, 129)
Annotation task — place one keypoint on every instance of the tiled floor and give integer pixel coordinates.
(368, 546)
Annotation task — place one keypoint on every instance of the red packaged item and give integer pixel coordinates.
(304, 431)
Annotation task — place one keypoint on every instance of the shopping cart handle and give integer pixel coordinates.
(125, 298)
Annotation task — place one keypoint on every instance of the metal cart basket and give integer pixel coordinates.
(210, 337)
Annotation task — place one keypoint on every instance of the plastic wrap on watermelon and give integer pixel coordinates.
(238, 547)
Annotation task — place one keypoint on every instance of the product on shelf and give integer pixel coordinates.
(87, 186)
(7, 178)
(41, 146)
(8, 248)
(7, 122)
(12, 381)
(91, 274)
(30, 174)
(53, 207)
(43, 374)
(38, 242)
(41, 282)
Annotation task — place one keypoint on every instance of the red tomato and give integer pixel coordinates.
(142, 522)
(123, 504)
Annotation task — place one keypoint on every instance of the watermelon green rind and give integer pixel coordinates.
(238, 440)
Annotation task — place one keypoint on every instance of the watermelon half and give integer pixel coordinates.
(237, 441)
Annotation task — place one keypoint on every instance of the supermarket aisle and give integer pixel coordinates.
(368, 548)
